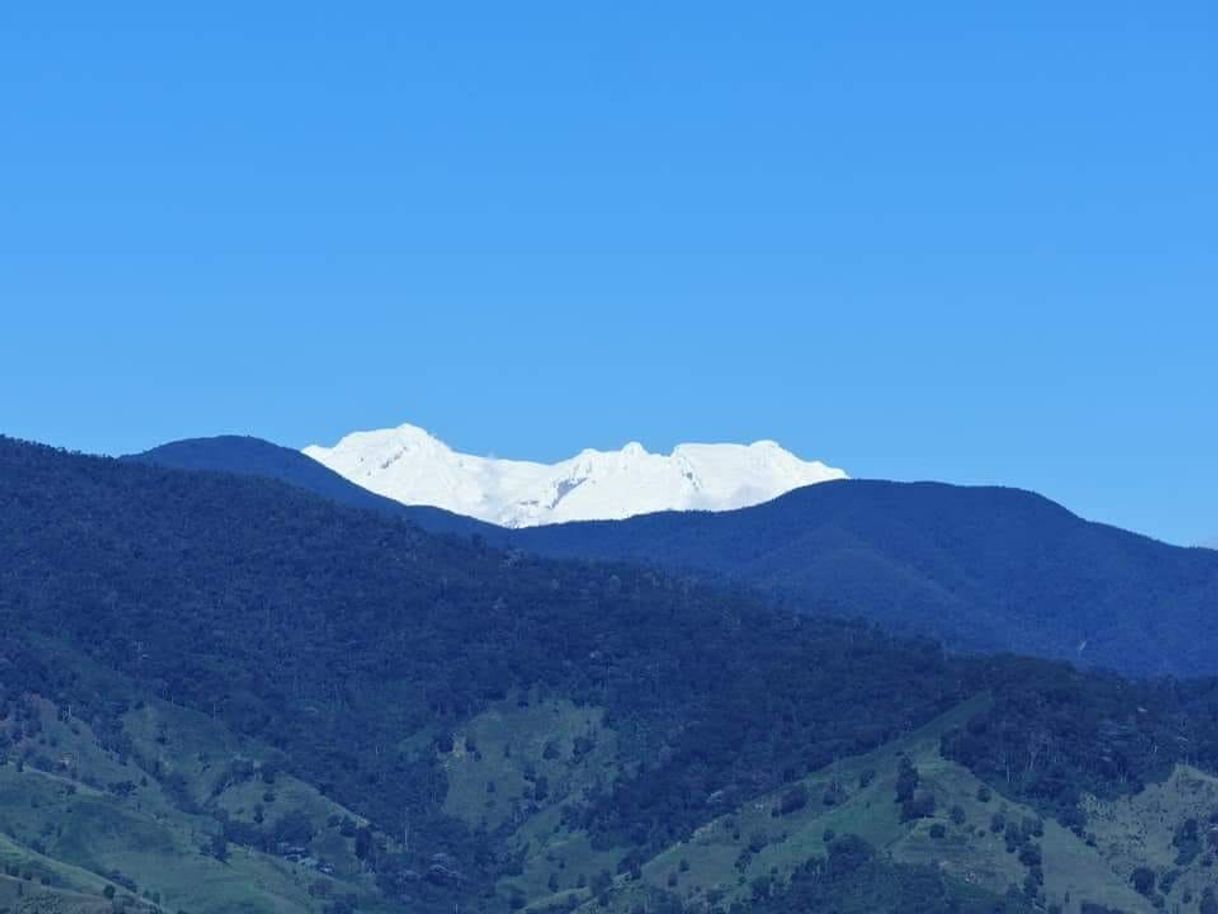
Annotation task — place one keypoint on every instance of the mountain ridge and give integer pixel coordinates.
(246, 455)
(981, 568)
(411, 466)
(220, 682)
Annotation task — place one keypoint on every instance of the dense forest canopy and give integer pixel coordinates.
(356, 645)
(979, 568)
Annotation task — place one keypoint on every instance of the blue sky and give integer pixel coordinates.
(937, 240)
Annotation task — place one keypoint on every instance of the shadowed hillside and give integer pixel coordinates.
(980, 568)
(237, 685)
(248, 456)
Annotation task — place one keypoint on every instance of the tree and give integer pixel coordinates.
(793, 798)
(919, 806)
(363, 842)
(907, 779)
(218, 847)
(1143, 880)
(294, 827)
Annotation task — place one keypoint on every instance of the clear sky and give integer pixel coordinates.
(963, 241)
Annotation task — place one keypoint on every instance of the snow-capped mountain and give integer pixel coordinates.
(411, 466)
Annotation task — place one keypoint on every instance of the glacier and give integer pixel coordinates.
(411, 466)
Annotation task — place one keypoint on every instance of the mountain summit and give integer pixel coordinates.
(411, 466)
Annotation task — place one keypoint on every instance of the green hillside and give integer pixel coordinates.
(146, 826)
(86, 828)
(222, 694)
(987, 848)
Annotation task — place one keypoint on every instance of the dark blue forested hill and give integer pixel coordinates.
(249, 456)
(357, 645)
(361, 649)
(981, 568)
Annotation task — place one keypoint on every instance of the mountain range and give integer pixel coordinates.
(979, 568)
(411, 466)
(223, 692)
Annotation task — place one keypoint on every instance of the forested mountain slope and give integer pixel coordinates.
(223, 692)
(979, 568)
(248, 456)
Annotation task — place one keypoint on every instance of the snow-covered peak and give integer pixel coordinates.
(405, 437)
(412, 466)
